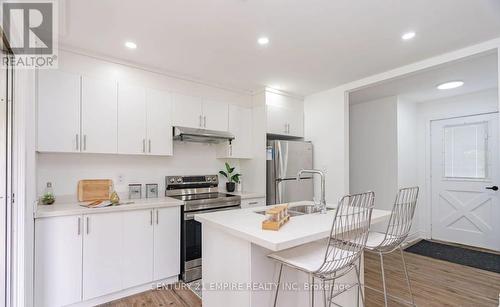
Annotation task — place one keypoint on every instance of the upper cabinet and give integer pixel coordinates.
(76, 114)
(58, 124)
(99, 115)
(285, 115)
(215, 115)
(159, 122)
(194, 112)
(240, 125)
(131, 119)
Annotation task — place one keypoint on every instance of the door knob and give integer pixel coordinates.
(494, 188)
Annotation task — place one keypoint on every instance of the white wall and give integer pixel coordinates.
(373, 128)
(470, 104)
(64, 170)
(407, 144)
(326, 126)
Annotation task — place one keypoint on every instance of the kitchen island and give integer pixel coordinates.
(236, 270)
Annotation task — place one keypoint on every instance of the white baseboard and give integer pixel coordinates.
(412, 237)
(127, 292)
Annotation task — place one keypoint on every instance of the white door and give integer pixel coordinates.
(137, 254)
(102, 253)
(295, 120)
(167, 238)
(276, 109)
(465, 174)
(215, 115)
(131, 119)
(187, 111)
(99, 115)
(159, 122)
(58, 111)
(58, 261)
(240, 124)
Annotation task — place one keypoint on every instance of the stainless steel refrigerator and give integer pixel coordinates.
(284, 160)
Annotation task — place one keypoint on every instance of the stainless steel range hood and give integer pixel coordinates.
(201, 135)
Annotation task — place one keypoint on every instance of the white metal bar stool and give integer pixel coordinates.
(340, 255)
(395, 235)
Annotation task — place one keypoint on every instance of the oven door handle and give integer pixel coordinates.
(190, 215)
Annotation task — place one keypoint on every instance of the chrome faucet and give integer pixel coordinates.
(322, 204)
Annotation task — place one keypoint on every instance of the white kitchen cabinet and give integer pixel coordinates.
(99, 116)
(187, 111)
(167, 238)
(253, 202)
(102, 254)
(285, 115)
(215, 115)
(240, 125)
(131, 119)
(159, 122)
(137, 253)
(58, 111)
(58, 261)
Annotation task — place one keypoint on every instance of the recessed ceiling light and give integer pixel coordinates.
(131, 45)
(408, 36)
(263, 40)
(450, 85)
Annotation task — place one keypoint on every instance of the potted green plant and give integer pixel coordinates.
(232, 179)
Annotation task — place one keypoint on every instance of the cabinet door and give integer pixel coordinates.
(167, 238)
(99, 115)
(131, 119)
(295, 119)
(102, 252)
(137, 254)
(58, 116)
(239, 124)
(253, 202)
(187, 111)
(215, 115)
(58, 261)
(159, 122)
(276, 109)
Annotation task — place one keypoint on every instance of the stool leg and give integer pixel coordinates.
(360, 290)
(407, 276)
(311, 277)
(383, 278)
(278, 286)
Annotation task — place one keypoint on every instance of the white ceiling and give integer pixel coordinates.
(479, 73)
(314, 44)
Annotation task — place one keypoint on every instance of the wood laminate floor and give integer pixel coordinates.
(435, 283)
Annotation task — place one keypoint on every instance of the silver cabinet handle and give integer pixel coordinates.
(253, 203)
(143, 145)
(230, 150)
(149, 143)
(79, 225)
(77, 142)
(157, 218)
(204, 121)
(88, 224)
(84, 142)
(151, 217)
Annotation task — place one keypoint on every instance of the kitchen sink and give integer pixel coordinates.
(306, 209)
(298, 210)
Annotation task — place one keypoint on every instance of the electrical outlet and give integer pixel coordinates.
(121, 178)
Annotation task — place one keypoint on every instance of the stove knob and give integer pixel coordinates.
(179, 180)
(172, 180)
(209, 179)
(214, 179)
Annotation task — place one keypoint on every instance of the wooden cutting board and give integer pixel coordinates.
(94, 189)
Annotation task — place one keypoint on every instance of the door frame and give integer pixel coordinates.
(428, 159)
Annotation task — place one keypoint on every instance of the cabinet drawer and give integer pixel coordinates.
(253, 202)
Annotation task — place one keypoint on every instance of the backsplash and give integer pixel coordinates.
(65, 170)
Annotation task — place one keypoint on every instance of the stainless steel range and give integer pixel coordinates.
(200, 195)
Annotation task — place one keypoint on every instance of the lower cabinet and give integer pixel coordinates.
(82, 257)
(253, 202)
(58, 261)
(167, 242)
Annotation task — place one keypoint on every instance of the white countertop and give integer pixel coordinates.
(246, 224)
(62, 209)
(247, 195)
